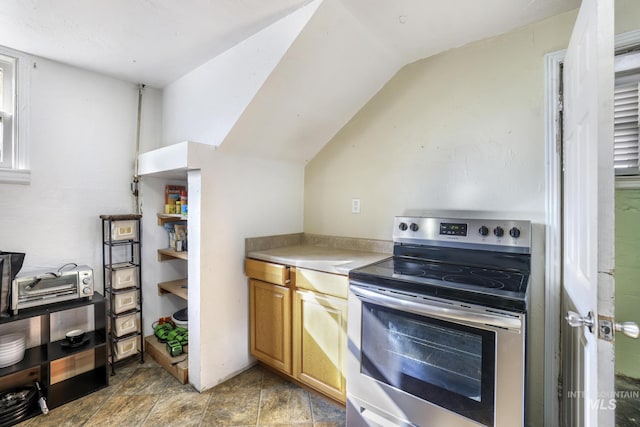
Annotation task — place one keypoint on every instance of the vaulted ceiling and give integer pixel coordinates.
(156, 41)
(335, 61)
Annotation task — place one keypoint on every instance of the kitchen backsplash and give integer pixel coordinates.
(350, 243)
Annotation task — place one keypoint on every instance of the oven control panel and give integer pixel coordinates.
(488, 234)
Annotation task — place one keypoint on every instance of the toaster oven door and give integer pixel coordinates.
(34, 291)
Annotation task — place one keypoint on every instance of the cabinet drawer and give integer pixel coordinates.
(124, 230)
(125, 348)
(124, 301)
(267, 271)
(325, 283)
(124, 275)
(125, 325)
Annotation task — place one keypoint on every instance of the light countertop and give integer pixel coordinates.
(329, 260)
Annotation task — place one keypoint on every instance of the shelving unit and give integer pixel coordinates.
(122, 273)
(42, 363)
(177, 366)
(165, 218)
(167, 254)
(175, 287)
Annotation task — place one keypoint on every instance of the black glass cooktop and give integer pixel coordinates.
(490, 286)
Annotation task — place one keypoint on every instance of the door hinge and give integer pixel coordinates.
(559, 127)
(560, 389)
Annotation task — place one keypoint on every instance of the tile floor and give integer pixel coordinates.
(627, 404)
(147, 395)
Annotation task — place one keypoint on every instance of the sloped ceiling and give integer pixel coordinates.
(348, 50)
(344, 56)
(143, 41)
(156, 41)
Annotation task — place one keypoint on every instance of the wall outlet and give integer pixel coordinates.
(355, 206)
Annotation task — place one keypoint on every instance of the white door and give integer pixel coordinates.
(588, 217)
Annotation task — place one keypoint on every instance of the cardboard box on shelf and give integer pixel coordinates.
(172, 195)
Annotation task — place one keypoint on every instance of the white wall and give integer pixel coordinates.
(463, 130)
(241, 197)
(82, 129)
(230, 198)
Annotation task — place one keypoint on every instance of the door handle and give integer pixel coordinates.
(630, 329)
(606, 325)
(575, 320)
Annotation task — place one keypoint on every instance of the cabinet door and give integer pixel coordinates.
(320, 342)
(270, 316)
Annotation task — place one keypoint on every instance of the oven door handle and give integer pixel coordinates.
(437, 309)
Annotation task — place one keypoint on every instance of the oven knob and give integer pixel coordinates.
(414, 227)
(483, 230)
(403, 226)
(498, 231)
(514, 232)
(86, 290)
(86, 280)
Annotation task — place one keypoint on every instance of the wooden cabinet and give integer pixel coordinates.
(270, 313)
(270, 317)
(320, 342)
(298, 321)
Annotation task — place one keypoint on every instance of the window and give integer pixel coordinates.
(13, 102)
(7, 111)
(625, 129)
(626, 135)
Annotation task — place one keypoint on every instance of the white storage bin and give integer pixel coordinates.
(125, 348)
(124, 276)
(125, 325)
(125, 301)
(123, 230)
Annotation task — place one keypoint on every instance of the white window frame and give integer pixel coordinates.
(7, 110)
(15, 113)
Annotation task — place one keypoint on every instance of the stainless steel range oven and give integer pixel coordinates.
(437, 332)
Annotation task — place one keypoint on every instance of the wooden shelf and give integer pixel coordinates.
(165, 218)
(177, 366)
(167, 254)
(176, 287)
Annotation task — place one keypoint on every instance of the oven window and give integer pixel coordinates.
(446, 363)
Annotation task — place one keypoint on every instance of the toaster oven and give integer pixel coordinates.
(35, 288)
